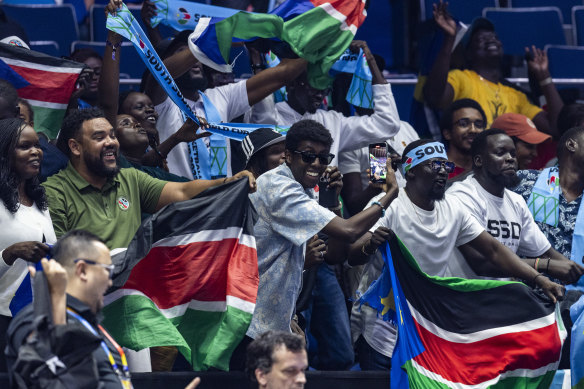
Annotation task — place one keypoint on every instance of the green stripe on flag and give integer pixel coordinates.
(455, 283)
(212, 336)
(48, 120)
(418, 380)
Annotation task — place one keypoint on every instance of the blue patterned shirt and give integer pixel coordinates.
(289, 215)
(560, 237)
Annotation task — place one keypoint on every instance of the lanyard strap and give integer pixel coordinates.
(123, 375)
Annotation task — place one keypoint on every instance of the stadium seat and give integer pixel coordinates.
(463, 10)
(522, 27)
(47, 47)
(41, 21)
(578, 25)
(131, 66)
(565, 61)
(565, 6)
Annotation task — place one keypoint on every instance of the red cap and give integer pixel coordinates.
(522, 127)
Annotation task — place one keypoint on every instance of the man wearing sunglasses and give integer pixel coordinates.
(439, 233)
(290, 215)
(460, 124)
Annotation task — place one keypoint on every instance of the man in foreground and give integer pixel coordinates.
(277, 360)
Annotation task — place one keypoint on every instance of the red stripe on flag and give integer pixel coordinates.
(352, 10)
(51, 87)
(205, 271)
(480, 361)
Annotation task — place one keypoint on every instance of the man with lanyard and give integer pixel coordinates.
(433, 226)
(554, 197)
(504, 214)
(89, 268)
(222, 104)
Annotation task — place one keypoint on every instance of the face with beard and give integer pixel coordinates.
(498, 162)
(99, 148)
(429, 182)
(194, 79)
(303, 97)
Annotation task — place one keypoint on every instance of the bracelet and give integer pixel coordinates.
(547, 267)
(536, 264)
(365, 252)
(380, 206)
(535, 278)
(114, 47)
(546, 81)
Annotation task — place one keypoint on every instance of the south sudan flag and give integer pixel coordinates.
(459, 333)
(189, 278)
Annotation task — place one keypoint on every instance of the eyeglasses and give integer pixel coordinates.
(466, 123)
(437, 165)
(110, 268)
(309, 157)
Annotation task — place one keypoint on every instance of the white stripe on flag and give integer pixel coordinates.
(46, 68)
(484, 334)
(208, 236)
(329, 9)
(179, 310)
(526, 373)
(46, 104)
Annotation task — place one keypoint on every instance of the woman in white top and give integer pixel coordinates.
(26, 227)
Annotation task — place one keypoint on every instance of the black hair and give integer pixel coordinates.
(446, 119)
(573, 133)
(570, 116)
(307, 130)
(84, 53)
(72, 245)
(260, 352)
(71, 127)
(8, 93)
(123, 96)
(479, 144)
(28, 106)
(10, 130)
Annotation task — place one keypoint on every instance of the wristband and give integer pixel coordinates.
(546, 81)
(380, 206)
(257, 66)
(536, 264)
(535, 278)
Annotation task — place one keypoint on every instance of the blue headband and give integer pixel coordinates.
(423, 153)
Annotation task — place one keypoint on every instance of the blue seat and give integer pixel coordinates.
(131, 65)
(463, 10)
(522, 27)
(42, 22)
(565, 6)
(47, 47)
(565, 61)
(578, 25)
(97, 20)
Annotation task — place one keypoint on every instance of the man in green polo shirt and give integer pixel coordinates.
(94, 194)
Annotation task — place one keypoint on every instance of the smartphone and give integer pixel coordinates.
(391, 152)
(377, 162)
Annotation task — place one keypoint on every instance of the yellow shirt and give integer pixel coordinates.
(495, 99)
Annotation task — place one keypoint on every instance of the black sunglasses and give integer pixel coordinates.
(437, 165)
(309, 157)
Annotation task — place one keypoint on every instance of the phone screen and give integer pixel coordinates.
(377, 162)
